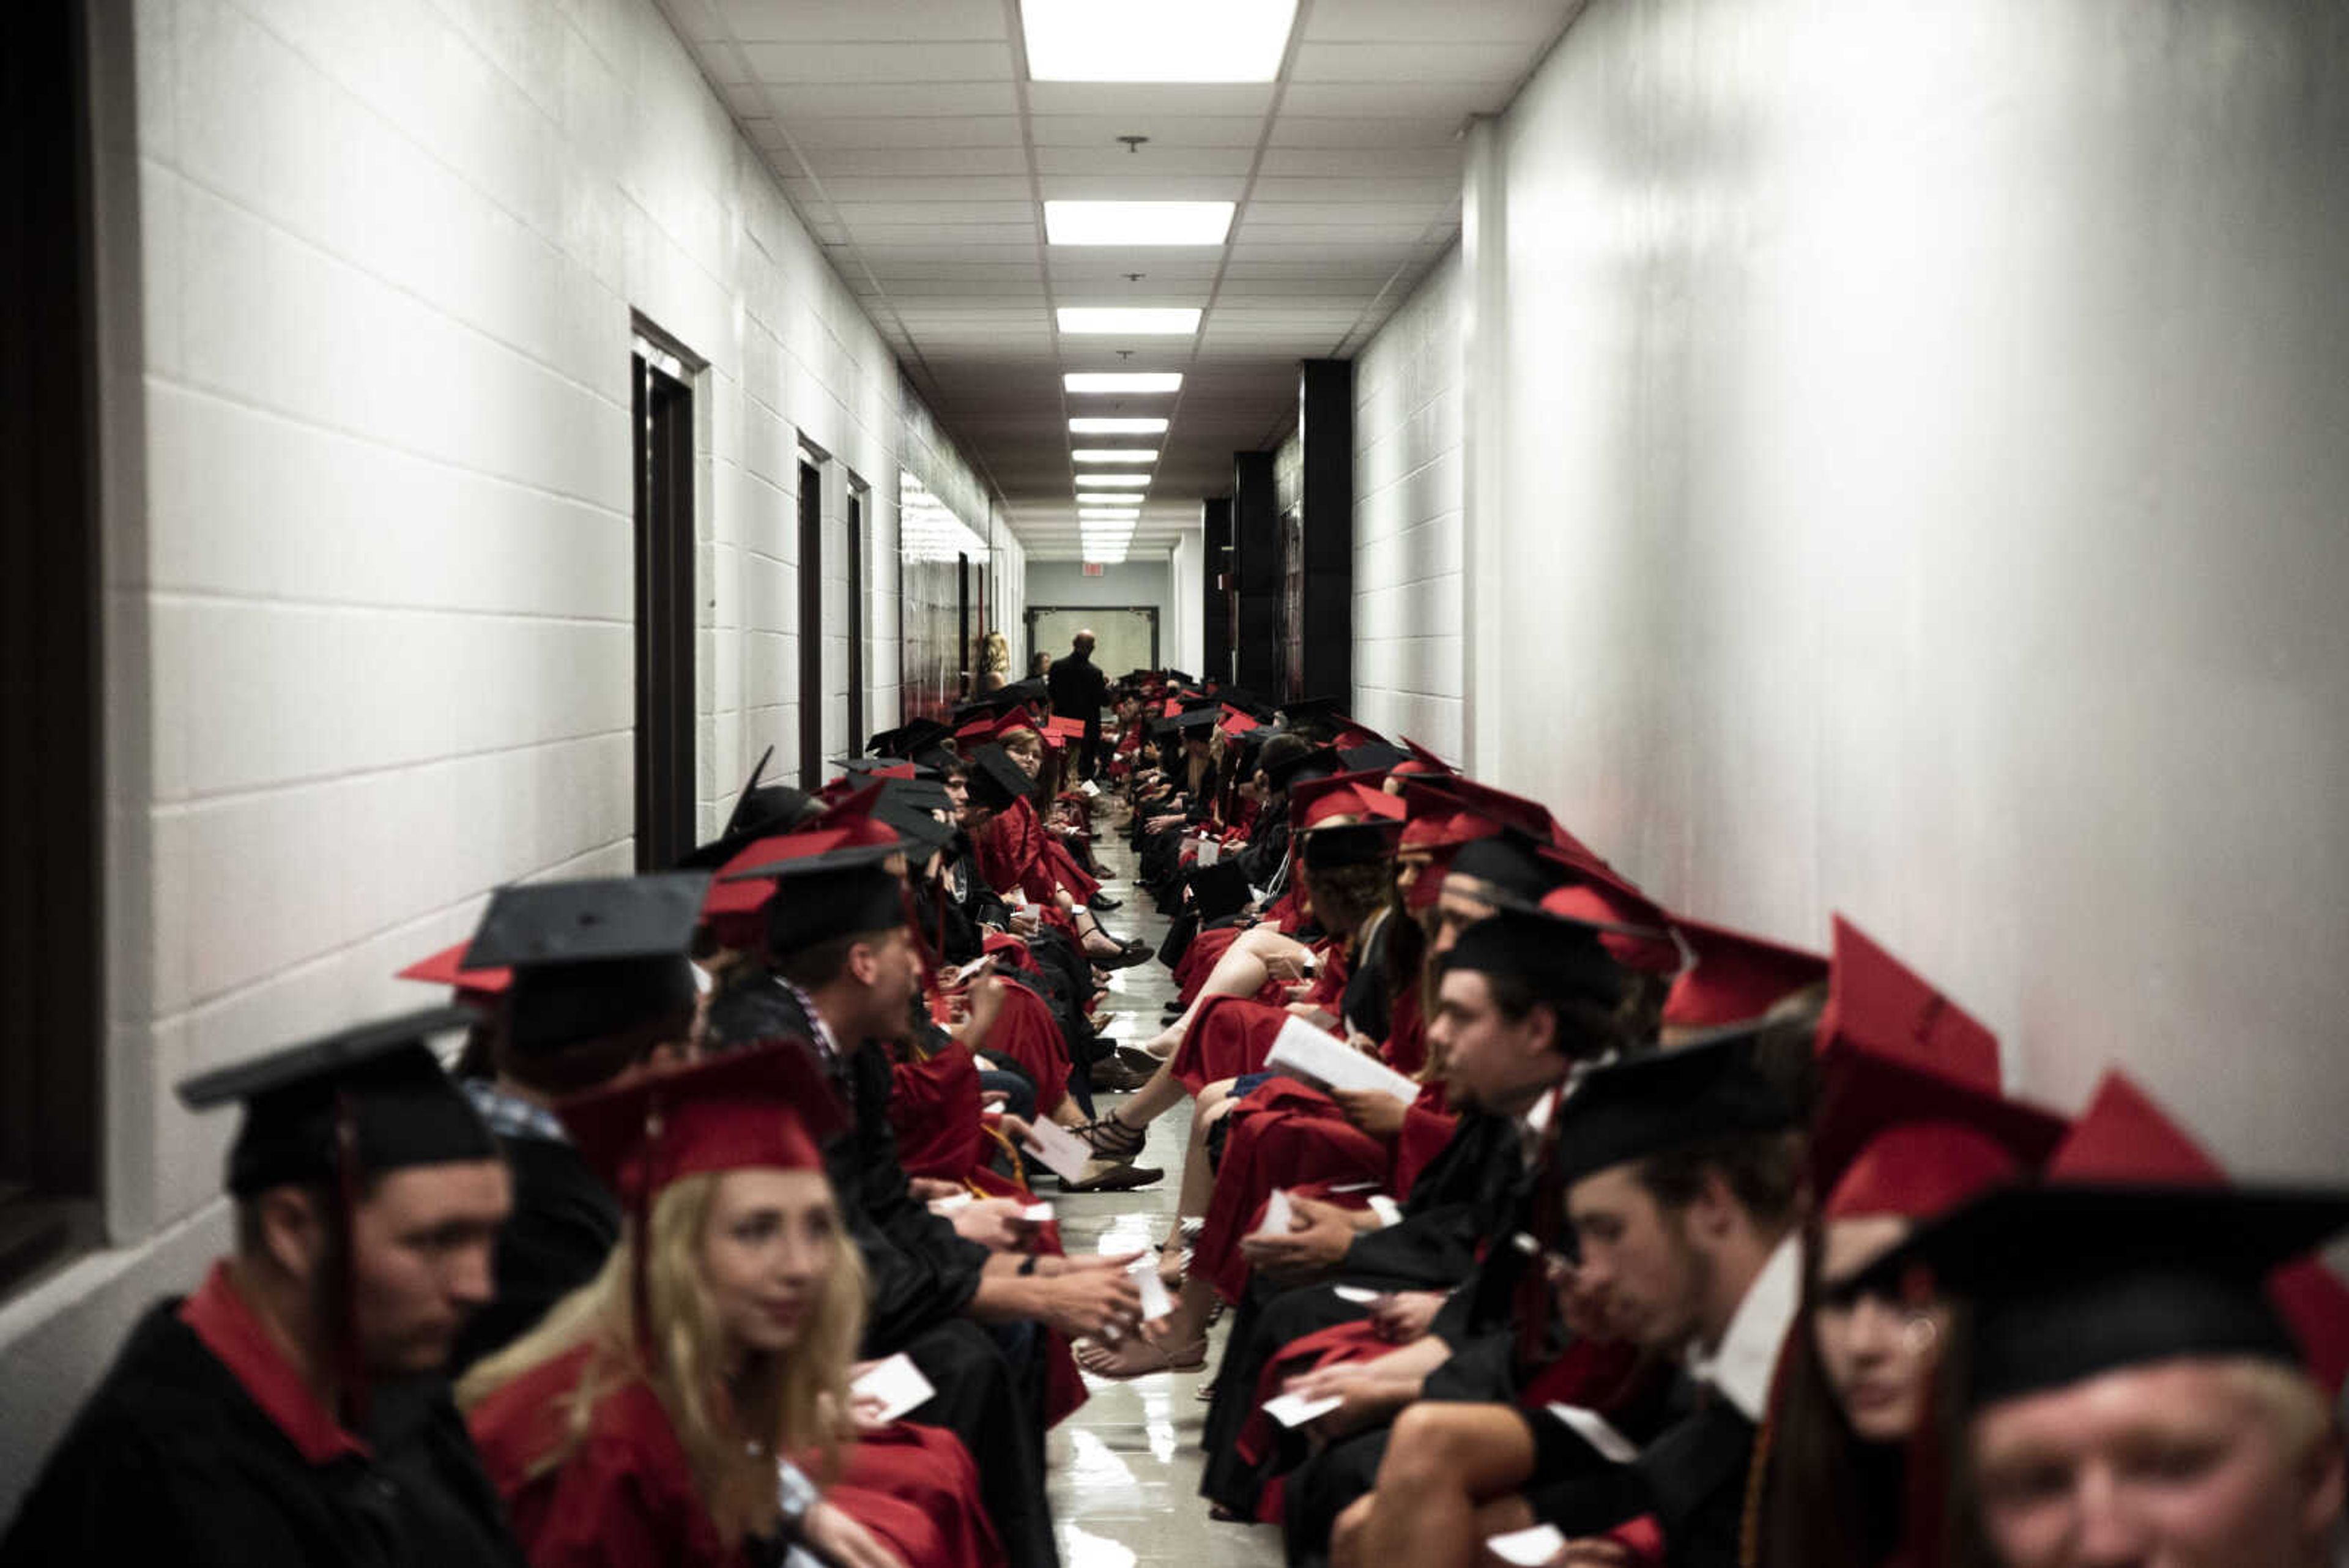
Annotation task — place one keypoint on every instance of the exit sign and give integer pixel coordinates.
(1092, 569)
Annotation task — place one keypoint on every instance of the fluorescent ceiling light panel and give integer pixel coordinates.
(1122, 381)
(1091, 425)
(1137, 223)
(1116, 454)
(1116, 480)
(1151, 41)
(1130, 321)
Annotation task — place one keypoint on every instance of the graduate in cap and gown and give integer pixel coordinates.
(839, 977)
(686, 1406)
(600, 985)
(2145, 1363)
(292, 1411)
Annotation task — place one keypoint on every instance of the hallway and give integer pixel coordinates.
(1125, 1467)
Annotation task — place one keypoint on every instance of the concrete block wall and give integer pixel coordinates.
(369, 629)
(1409, 675)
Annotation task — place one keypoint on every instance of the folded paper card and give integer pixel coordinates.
(1279, 1214)
(1063, 1153)
(1305, 1053)
(897, 1385)
(1295, 1409)
(1528, 1548)
(1595, 1429)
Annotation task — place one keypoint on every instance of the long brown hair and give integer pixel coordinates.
(731, 1431)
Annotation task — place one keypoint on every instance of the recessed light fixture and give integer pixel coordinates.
(1137, 223)
(1150, 41)
(1116, 480)
(1091, 424)
(1132, 321)
(1116, 454)
(1122, 380)
(1090, 515)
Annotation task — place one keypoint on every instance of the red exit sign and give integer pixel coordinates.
(1092, 569)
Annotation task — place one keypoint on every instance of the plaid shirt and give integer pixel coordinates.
(510, 1115)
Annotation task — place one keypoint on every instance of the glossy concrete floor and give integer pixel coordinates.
(1125, 1467)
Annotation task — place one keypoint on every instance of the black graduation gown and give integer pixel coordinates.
(564, 1225)
(1453, 1205)
(1692, 1477)
(172, 1462)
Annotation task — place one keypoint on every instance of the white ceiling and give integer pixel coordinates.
(909, 138)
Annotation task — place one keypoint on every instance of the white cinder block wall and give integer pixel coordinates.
(374, 597)
(1407, 462)
(1920, 436)
(1183, 646)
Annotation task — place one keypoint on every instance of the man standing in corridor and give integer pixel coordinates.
(1078, 690)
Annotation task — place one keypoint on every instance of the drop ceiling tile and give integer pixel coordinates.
(772, 21)
(880, 216)
(972, 130)
(960, 189)
(1323, 190)
(1422, 60)
(1530, 24)
(795, 103)
(1144, 99)
(834, 164)
(804, 63)
(1394, 100)
(1164, 130)
(1404, 163)
(1361, 129)
(1156, 162)
(894, 236)
(1142, 184)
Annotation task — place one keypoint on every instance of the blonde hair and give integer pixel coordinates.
(783, 1404)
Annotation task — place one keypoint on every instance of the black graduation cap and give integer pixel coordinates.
(760, 812)
(1197, 722)
(591, 959)
(875, 764)
(996, 782)
(401, 1108)
(1319, 762)
(1376, 757)
(910, 808)
(1652, 1104)
(834, 890)
(1348, 844)
(1312, 709)
(1192, 701)
(1246, 701)
(909, 737)
(1558, 956)
(1511, 861)
(2070, 1280)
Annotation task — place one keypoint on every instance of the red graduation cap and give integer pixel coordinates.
(1236, 722)
(1634, 931)
(762, 1109)
(1423, 761)
(1065, 729)
(1893, 1135)
(1316, 801)
(446, 968)
(1736, 977)
(2123, 1137)
(1876, 1002)
(735, 905)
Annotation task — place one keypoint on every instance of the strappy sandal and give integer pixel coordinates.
(1113, 1139)
(1190, 1357)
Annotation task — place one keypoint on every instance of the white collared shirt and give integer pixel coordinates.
(1743, 1364)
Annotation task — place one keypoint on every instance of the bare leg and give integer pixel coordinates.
(1241, 971)
(1198, 1182)
(1443, 1461)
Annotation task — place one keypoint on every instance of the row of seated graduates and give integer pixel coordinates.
(798, 931)
(996, 1033)
(1428, 1287)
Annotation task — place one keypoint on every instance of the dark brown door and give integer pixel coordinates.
(665, 698)
(811, 625)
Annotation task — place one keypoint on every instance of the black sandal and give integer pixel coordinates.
(1111, 1138)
